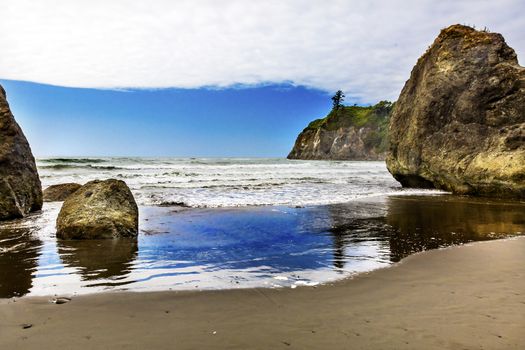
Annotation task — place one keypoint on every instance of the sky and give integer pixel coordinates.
(212, 77)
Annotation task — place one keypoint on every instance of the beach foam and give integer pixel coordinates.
(226, 182)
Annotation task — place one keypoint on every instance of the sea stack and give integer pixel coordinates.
(346, 133)
(99, 210)
(459, 123)
(20, 188)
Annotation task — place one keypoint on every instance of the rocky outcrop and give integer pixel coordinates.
(99, 209)
(59, 193)
(349, 133)
(20, 188)
(459, 123)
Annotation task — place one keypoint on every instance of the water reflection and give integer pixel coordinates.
(99, 259)
(19, 252)
(245, 247)
(417, 223)
(422, 223)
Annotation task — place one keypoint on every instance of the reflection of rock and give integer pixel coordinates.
(339, 250)
(413, 224)
(99, 209)
(20, 189)
(99, 259)
(355, 224)
(19, 251)
(421, 223)
(59, 193)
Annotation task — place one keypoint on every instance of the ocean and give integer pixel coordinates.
(218, 223)
(227, 182)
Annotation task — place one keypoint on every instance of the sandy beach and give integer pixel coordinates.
(467, 297)
(227, 174)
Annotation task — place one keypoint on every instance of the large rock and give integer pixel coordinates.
(99, 209)
(20, 188)
(349, 133)
(59, 193)
(459, 123)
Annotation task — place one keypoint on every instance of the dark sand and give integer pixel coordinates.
(469, 297)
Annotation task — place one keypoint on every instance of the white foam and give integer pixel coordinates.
(234, 182)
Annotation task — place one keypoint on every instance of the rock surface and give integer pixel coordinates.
(459, 123)
(20, 188)
(59, 193)
(99, 209)
(350, 133)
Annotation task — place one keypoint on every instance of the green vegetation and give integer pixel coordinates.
(337, 100)
(357, 116)
(374, 118)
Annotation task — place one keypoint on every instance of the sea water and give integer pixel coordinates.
(226, 182)
(241, 223)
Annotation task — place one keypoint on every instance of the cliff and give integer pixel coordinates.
(349, 133)
(459, 123)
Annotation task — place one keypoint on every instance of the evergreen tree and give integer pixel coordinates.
(337, 100)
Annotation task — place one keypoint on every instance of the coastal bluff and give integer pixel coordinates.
(346, 133)
(459, 123)
(20, 188)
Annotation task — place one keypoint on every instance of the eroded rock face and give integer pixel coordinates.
(350, 133)
(59, 193)
(20, 188)
(459, 123)
(341, 144)
(99, 209)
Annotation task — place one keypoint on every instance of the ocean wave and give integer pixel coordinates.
(173, 204)
(73, 160)
(74, 166)
(222, 182)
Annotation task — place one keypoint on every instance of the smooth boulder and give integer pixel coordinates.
(20, 188)
(459, 123)
(99, 210)
(60, 192)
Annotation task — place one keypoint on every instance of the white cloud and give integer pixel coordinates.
(365, 47)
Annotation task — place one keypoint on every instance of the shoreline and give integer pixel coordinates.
(467, 296)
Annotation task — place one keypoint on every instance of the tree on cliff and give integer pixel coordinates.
(337, 100)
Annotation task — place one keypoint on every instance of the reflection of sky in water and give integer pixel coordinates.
(240, 248)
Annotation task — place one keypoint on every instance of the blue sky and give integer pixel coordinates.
(235, 122)
(166, 54)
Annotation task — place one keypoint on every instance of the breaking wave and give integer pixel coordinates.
(224, 182)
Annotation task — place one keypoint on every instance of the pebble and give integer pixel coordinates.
(59, 301)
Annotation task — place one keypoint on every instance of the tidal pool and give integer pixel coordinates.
(181, 249)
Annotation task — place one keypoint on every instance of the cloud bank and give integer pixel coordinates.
(364, 47)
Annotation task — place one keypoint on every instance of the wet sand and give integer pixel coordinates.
(468, 297)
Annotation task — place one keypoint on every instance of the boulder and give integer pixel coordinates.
(59, 193)
(459, 123)
(99, 210)
(20, 188)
